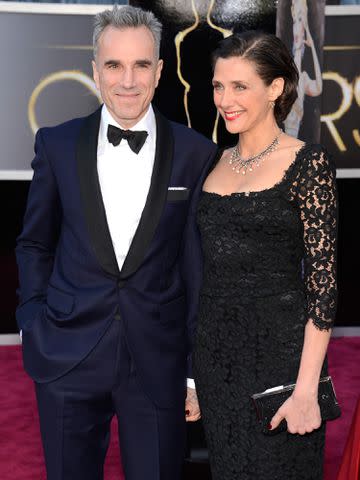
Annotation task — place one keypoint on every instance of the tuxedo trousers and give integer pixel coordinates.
(75, 412)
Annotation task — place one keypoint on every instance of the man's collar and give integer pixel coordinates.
(148, 123)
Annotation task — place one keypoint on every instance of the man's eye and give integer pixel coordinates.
(239, 88)
(217, 87)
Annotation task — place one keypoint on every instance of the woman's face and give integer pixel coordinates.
(240, 95)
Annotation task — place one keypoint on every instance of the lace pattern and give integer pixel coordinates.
(316, 197)
(269, 267)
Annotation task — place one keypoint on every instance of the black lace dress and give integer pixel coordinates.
(269, 267)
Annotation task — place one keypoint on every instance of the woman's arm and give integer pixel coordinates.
(318, 210)
(312, 88)
(312, 359)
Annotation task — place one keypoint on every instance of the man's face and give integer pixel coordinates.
(127, 72)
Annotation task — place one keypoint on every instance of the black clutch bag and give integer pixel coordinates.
(267, 403)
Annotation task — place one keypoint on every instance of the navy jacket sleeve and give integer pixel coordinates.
(37, 243)
(191, 260)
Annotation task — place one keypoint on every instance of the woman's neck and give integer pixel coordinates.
(253, 142)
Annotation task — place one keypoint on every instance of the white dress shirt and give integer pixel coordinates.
(124, 178)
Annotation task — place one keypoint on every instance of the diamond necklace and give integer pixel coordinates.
(242, 165)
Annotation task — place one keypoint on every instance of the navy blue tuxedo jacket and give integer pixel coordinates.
(71, 288)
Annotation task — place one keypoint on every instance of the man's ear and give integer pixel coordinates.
(159, 68)
(95, 74)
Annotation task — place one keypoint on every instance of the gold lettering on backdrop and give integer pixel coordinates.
(356, 136)
(330, 118)
(356, 133)
(74, 75)
(357, 90)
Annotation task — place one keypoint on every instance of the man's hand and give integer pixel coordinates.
(192, 409)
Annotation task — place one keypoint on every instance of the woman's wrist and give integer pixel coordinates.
(306, 389)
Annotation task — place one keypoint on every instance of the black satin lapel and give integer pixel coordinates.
(91, 194)
(156, 198)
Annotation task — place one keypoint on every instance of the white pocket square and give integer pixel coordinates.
(177, 188)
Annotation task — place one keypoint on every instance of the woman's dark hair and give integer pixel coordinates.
(271, 59)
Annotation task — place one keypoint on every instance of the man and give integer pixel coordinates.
(109, 267)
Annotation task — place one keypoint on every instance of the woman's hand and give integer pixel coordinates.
(301, 412)
(192, 409)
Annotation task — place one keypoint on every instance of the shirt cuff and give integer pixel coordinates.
(190, 383)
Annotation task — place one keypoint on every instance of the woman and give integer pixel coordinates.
(267, 218)
(306, 85)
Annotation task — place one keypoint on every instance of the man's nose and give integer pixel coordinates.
(128, 78)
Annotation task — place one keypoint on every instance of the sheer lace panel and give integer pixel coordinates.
(316, 197)
(254, 305)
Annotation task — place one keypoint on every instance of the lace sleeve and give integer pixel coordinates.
(317, 200)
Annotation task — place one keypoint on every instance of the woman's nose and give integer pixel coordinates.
(226, 99)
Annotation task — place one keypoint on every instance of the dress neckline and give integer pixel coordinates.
(283, 179)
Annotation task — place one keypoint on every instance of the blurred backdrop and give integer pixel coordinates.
(46, 79)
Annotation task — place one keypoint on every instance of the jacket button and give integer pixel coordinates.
(121, 283)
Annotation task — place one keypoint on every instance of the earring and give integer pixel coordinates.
(272, 104)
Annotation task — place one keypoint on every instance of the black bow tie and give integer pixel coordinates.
(135, 139)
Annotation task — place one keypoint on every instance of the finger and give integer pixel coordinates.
(275, 421)
(189, 404)
(316, 425)
(311, 428)
(192, 412)
(193, 418)
(292, 430)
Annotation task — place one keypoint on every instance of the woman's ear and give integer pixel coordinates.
(276, 88)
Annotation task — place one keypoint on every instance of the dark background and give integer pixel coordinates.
(195, 53)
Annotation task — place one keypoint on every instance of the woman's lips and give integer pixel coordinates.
(233, 115)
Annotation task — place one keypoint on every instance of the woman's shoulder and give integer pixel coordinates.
(316, 149)
(315, 154)
(224, 152)
(316, 162)
(307, 152)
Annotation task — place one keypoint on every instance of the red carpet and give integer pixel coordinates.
(21, 455)
(344, 361)
(20, 448)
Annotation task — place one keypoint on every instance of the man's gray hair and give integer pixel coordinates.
(127, 17)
